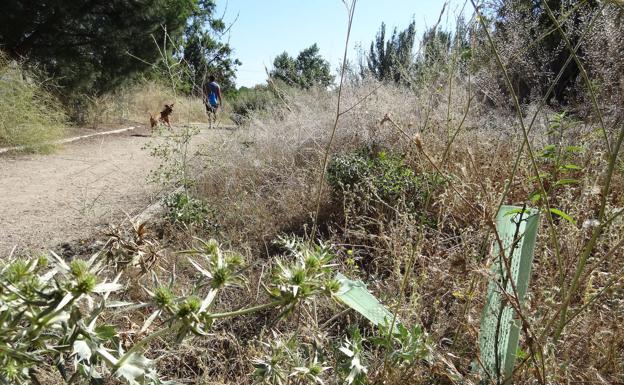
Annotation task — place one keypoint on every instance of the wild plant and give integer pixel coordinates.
(285, 359)
(380, 176)
(30, 115)
(52, 311)
(185, 210)
(558, 164)
(57, 313)
(173, 150)
(553, 325)
(131, 249)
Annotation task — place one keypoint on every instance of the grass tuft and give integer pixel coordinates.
(30, 115)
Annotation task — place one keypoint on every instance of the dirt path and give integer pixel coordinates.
(46, 200)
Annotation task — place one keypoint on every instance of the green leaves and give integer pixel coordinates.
(60, 315)
(548, 151)
(563, 215)
(390, 59)
(558, 170)
(563, 182)
(185, 210)
(513, 212)
(308, 70)
(374, 177)
(96, 46)
(105, 332)
(405, 347)
(570, 167)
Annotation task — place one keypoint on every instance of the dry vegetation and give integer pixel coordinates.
(265, 182)
(29, 113)
(135, 103)
(414, 177)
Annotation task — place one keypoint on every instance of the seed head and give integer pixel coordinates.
(418, 142)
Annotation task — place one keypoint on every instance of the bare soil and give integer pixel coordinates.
(74, 193)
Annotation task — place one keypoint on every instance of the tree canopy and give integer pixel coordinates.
(307, 70)
(539, 49)
(93, 45)
(204, 53)
(392, 59)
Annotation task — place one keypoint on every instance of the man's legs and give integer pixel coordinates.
(213, 110)
(212, 114)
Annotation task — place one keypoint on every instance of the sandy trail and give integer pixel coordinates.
(75, 192)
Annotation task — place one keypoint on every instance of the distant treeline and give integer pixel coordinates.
(534, 49)
(91, 47)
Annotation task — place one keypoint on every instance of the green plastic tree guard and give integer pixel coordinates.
(500, 330)
(355, 295)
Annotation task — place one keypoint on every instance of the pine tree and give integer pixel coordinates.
(392, 60)
(93, 46)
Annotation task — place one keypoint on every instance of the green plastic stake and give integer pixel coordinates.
(500, 330)
(355, 295)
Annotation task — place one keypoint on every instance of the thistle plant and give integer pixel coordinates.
(54, 311)
(353, 361)
(285, 360)
(304, 272)
(50, 311)
(59, 312)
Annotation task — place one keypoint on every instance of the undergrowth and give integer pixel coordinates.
(411, 215)
(185, 210)
(368, 176)
(30, 115)
(135, 103)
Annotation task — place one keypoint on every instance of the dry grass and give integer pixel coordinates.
(263, 182)
(429, 263)
(30, 116)
(267, 169)
(135, 103)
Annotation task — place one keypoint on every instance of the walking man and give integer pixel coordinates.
(212, 99)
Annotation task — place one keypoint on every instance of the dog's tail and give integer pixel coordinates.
(153, 121)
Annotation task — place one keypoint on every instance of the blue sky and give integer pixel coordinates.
(266, 28)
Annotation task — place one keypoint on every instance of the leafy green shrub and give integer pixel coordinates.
(184, 209)
(29, 115)
(559, 164)
(378, 176)
(250, 100)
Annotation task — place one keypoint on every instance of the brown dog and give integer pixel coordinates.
(153, 121)
(164, 116)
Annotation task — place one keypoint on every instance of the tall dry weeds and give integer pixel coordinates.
(135, 104)
(429, 262)
(30, 115)
(262, 179)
